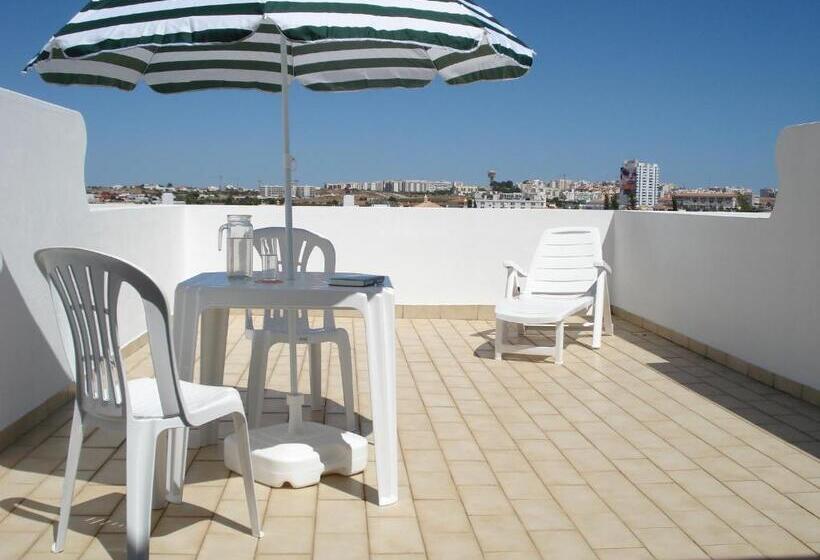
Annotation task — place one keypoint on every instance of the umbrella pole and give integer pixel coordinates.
(288, 160)
(294, 399)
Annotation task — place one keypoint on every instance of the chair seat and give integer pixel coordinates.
(199, 399)
(540, 310)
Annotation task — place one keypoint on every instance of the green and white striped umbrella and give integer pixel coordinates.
(340, 45)
(326, 45)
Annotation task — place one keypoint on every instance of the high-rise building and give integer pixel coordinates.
(641, 179)
(278, 191)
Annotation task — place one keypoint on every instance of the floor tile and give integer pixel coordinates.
(639, 450)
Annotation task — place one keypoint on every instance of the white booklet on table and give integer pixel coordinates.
(356, 280)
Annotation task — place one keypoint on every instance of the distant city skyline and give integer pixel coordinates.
(554, 182)
(703, 89)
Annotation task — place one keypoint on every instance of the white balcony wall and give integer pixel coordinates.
(42, 184)
(742, 285)
(434, 256)
(745, 285)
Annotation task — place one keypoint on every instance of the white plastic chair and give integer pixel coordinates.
(87, 287)
(275, 327)
(567, 275)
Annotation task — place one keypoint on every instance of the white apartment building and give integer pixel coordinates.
(464, 190)
(642, 178)
(706, 201)
(395, 185)
(561, 184)
(648, 184)
(420, 186)
(278, 191)
(520, 201)
(376, 186)
(532, 186)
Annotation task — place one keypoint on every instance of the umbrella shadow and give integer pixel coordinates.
(275, 411)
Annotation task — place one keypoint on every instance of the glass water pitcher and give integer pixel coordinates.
(239, 246)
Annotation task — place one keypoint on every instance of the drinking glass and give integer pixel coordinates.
(270, 267)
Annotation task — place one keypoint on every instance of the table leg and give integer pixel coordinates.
(315, 351)
(214, 333)
(381, 364)
(212, 361)
(186, 316)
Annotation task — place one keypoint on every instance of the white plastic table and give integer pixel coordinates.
(211, 295)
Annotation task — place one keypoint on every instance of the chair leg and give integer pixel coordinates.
(499, 338)
(346, 365)
(600, 306)
(240, 426)
(598, 322)
(256, 379)
(559, 343)
(141, 441)
(75, 443)
(609, 326)
(176, 461)
(315, 351)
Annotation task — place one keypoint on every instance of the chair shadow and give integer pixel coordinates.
(536, 336)
(115, 474)
(96, 525)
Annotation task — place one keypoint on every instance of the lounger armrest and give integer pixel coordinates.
(512, 266)
(514, 273)
(605, 266)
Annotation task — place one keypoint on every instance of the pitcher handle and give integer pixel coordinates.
(222, 231)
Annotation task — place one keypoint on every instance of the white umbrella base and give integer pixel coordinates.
(302, 457)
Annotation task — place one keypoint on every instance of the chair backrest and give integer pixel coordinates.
(564, 262)
(86, 285)
(273, 240)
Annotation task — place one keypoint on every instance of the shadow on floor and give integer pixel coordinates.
(776, 412)
(110, 467)
(99, 525)
(788, 418)
(536, 336)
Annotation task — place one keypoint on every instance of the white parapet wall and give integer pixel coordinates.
(434, 256)
(743, 285)
(42, 184)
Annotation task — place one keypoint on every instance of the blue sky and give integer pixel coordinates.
(701, 87)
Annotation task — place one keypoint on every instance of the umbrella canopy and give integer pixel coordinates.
(343, 45)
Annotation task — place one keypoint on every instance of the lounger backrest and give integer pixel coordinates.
(564, 262)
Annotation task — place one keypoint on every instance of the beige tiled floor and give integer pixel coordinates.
(640, 450)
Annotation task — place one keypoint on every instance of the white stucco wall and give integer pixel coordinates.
(744, 285)
(42, 157)
(434, 256)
